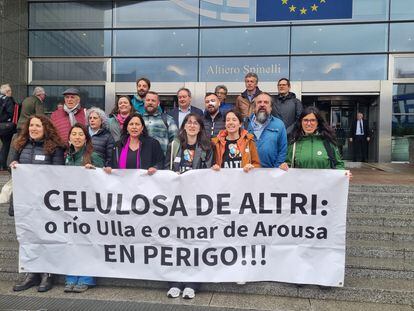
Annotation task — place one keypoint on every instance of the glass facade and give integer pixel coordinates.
(79, 42)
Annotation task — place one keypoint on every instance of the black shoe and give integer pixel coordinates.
(11, 207)
(46, 282)
(32, 279)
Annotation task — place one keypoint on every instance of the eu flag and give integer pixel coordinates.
(284, 10)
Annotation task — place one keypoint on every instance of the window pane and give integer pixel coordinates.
(70, 43)
(244, 41)
(161, 13)
(404, 67)
(214, 13)
(402, 9)
(69, 70)
(370, 9)
(402, 37)
(358, 67)
(159, 42)
(234, 69)
(155, 69)
(339, 38)
(402, 120)
(90, 96)
(70, 15)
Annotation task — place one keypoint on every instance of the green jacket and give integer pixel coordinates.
(76, 158)
(311, 153)
(30, 105)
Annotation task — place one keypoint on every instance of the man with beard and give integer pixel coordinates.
(213, 118)
(159, 125)
(269, 132)
(286, 106)
(143, 86)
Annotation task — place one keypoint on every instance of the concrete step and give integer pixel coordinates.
(379, 233)
(109, 298)
(380, 220)
(383, 209)
(380, 249)
(386, 188)
(380, 197)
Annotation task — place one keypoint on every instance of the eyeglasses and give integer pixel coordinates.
(282, 84)
(313, 121)
(195, 123)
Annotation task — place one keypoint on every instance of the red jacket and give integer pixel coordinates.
(60, 120)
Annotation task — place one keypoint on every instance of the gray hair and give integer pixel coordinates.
(38, 90)
(100, 113)
(3, 88)
(219, 87)
(251, 75)
(184, 89)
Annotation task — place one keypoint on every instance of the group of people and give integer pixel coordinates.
(137, 134)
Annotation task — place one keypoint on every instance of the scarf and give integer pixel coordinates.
(124, 154)
(71, 113)
(121, 120)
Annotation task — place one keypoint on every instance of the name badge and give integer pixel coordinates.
(177, 160)
(39, 157)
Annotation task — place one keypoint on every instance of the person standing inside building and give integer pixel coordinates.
(286, 106)
(160, 125)
(360, 138)
(32, 105)
(71, 113)
(244, 101)
(184, 107)
(221, 92)
(269, 132)
(212, 118)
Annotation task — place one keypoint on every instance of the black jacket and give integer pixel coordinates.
(6, 108)
(365, 125)
(33, 153)
(213, 127)
(174, 113)
(288, 109)
(151, 154)
(103, 143)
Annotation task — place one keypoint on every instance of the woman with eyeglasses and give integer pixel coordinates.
(313, 143)
(189, 151)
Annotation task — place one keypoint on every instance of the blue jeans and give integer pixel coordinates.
(80, 280)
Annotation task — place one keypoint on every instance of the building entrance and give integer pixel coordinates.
(340, 111)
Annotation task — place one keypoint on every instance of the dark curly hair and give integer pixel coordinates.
(51, 139)
(324, 129)
(202, 138)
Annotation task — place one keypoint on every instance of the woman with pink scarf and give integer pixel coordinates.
(123, 108)
(135, 149)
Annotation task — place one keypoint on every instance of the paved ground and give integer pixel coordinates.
(115, 298)
(384, 173)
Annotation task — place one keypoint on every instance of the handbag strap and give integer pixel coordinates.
(292, 164)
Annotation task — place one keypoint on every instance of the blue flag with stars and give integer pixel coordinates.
(285, 10)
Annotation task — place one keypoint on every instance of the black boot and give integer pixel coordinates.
(32, 279)
(46, 282)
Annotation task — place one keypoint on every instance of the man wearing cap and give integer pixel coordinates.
(71, 112)
(32, 105)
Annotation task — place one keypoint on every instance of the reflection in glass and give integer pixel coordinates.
(339, 38)
(69, 70)
(69, 15)
(244, 41)
(161, 13)
(155, 69)
(235, 68)
(156, 42)
(70, 43)
(402, 37)
(402, 9)
(402, 120)
(340, 67)
(90, 96)
(404, 67)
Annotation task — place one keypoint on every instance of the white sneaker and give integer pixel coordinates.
(174, 292)
(188, 293)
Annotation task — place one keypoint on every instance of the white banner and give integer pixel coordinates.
(202, 226)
